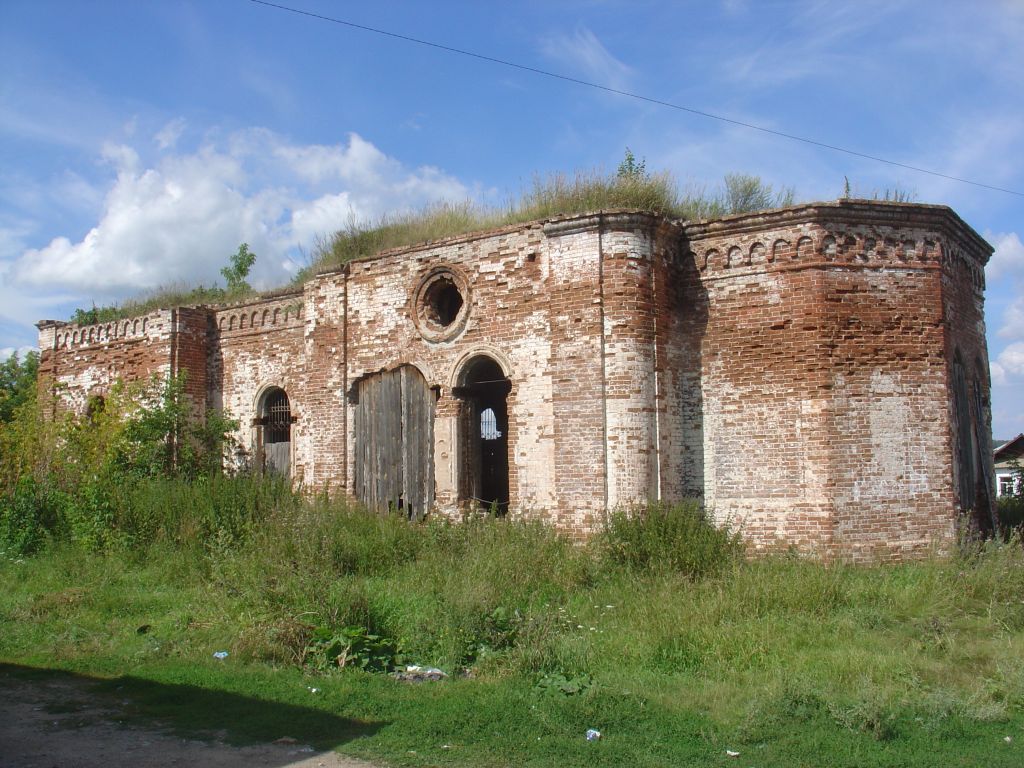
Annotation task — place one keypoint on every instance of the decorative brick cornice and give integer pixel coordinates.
(940, 219)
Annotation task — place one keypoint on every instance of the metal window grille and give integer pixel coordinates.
(278, 426)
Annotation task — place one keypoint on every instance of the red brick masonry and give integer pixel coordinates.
(796, 369)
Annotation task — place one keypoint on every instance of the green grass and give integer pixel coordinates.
(163, 297)
(788, 662)
(547, 197)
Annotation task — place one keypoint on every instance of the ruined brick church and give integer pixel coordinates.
(817, 375)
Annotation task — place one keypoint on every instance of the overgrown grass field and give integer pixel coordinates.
(659, 634)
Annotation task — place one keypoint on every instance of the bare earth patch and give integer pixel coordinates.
(62, 724)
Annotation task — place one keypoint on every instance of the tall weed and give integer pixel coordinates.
(676, 537)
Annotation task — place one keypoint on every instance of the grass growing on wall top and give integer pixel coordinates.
(631, 187)
(554, 195)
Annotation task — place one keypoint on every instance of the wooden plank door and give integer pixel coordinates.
(394, 451)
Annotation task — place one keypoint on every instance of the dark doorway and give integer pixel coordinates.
(275, 424)
(483, 476)
(394, 425)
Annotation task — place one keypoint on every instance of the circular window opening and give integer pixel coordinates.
(443, 301)
(441, 304)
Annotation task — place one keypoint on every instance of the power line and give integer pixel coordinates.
(637, 96)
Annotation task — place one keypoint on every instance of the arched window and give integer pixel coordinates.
(278, 413)
(483, 454)
(275, 431)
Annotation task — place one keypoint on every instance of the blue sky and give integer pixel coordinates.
(141, 142)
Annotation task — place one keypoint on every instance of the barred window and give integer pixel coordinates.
(278, 415)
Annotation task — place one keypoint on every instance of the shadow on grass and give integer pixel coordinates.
(189, 710)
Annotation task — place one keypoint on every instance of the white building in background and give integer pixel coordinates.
(1010, 452)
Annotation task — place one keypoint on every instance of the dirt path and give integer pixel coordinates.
(61, 724)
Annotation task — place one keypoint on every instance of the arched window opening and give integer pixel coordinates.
(483, 454)
(275, 432)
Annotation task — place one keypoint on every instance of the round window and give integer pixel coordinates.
(442, 304)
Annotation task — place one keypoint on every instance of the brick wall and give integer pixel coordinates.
(826, 385)
(793, 369)
(255, 347)
(85, 361)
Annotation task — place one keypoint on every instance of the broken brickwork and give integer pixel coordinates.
(817, 375)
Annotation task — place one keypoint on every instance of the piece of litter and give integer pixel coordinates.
(730, 753)
(220, 654)
(414, 673)
(1008, 739)
(593, 734)
(446, 746)
(313, 690)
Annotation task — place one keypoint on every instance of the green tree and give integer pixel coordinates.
(631, 169)
(236, 272)
(17, 383)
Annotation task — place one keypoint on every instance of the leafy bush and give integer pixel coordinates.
(90, 517)
(676, 537)
(1010, 510)
(350, 647)
(81, 477)
(26, 517)
(17, 383)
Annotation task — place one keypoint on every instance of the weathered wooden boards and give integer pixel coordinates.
(394, 456)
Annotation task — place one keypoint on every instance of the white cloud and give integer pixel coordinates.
(177, 219)
(1004, 274)
(1011, 361)
(585, 54)
(360, 162)
(167, 137)
(1008, 259)
(1013, 320)
(6, 352)
(998, 374)
(326, 213)
(12, 240)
